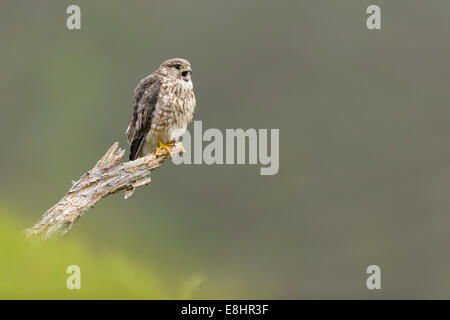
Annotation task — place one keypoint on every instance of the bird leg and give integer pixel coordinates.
(165, 146)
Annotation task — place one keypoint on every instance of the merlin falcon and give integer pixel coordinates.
(163, 105)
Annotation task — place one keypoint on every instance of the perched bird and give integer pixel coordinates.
(163, 105)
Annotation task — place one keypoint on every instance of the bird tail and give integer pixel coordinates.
(135, 148)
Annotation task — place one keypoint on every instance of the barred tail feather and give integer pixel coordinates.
(135, 148)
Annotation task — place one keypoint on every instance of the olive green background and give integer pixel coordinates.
(364, 121)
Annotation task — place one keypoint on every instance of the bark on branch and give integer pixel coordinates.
(107, 177)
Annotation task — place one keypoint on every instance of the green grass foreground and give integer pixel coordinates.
(37, 270)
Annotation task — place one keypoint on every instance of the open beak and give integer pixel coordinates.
(186, 71)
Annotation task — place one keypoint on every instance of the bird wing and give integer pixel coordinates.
(145, 97)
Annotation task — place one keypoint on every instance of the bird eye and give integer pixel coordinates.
(178, 66)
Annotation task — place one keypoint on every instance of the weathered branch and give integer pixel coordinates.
(107, 177)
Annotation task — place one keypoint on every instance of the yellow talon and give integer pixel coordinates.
(164, 146)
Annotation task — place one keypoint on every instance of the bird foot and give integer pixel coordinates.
(165, 146)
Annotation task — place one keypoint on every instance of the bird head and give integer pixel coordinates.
(177, 68)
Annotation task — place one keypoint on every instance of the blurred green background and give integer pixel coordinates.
(364, 122)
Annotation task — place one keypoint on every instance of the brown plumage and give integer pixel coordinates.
(163, 105)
